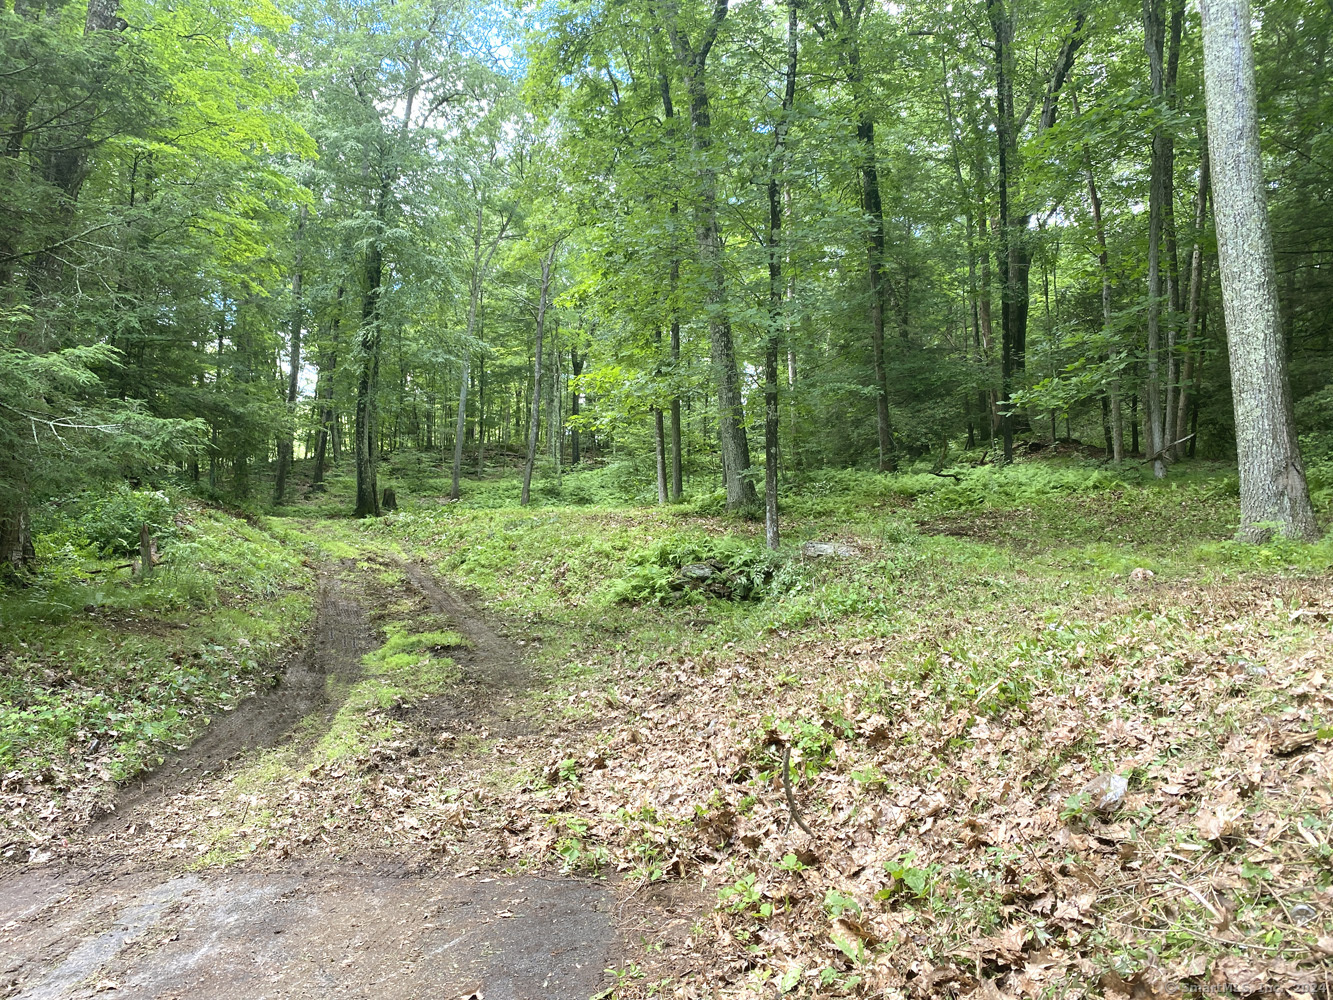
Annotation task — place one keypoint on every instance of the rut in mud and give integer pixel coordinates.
(122, 914)
(340, 638)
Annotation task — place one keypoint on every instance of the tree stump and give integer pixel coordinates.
(145, 551)
(390, 501)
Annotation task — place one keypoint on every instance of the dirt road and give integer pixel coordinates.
(122, 915)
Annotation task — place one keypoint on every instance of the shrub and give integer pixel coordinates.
(108, 520)
(742, 570)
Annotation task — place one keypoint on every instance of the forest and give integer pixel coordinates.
(825, 496)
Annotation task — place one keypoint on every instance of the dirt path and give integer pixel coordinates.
(341, 636)
(122, 916)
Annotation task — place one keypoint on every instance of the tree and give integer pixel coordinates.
(1273, 492)
(543, 303)
(692, 60)
(776, 286)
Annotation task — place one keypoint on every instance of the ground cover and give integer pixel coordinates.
(1081, 748)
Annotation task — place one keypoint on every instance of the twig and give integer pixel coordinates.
(1199, 896)
(1162, 454)
(791, 799)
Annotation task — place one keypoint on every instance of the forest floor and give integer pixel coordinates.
(1029, 736)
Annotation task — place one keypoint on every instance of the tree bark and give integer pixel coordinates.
(16, 551)
(543, 300)
(368, 370)
(734, 444)
(1273, 492)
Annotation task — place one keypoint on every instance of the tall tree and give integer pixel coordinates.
(1015, 250)
(543, 303)
(1273, 492)
(844, 22)
(776, 285)
(692, 60)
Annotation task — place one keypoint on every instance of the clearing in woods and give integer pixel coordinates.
(1033, 733)
(122, 911)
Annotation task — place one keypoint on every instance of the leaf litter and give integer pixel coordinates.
(1149, 814)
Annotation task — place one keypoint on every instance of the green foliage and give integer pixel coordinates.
(907, 878)
(109, 520)
(80, 676)
(741, 570)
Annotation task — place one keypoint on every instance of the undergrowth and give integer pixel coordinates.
(100, 671)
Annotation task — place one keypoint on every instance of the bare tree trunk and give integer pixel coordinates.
(776, 288)
(285, 445)
(543, 300)
(734, 444)
(1273, 492)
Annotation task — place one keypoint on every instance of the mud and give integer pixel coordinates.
(341, 636)
(493, 669)
(288, 936)
(108, 920)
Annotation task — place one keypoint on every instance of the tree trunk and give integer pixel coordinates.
(1197, 278)
(481, 416)
(659, 429)
(575, 369)
(1273, 492)
(673, 285)
(285, 438)
(16, 551)
(1162, 159)
(676, 480)
(659, 453)
(734, 444)
(1171, 247)
(368, 349)
(479, 267)
(1015, 255)
(543, 301)
(776, 287)
(1116, 418)
(328, 364)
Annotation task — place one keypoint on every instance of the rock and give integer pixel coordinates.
(697, 572)
(824, 550)
(1302, 914)
(1105, 792)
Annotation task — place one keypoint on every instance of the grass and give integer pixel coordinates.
(1000, 626)
(946, 697)
(102, 671)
